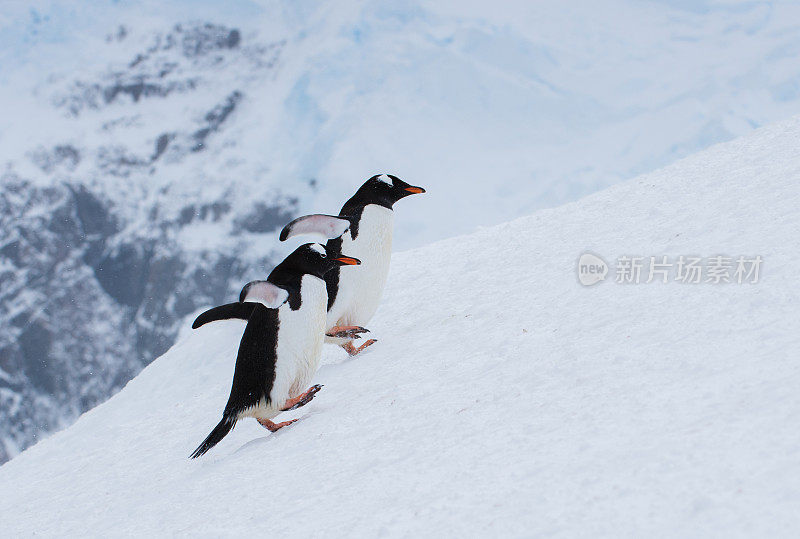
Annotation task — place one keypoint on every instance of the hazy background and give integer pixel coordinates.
(150, 151)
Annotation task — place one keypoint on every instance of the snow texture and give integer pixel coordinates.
(502, 399)
(150, 149)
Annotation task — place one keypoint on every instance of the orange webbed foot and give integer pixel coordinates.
(346, 332)
(352, 350)
(301, 400)
(272, 427)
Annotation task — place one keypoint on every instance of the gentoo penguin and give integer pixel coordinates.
(353, 296)
(280, 348)
(328, 226)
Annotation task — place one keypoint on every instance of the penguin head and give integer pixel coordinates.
(385, 190)
(314, 259)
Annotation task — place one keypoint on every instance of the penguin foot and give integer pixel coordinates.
(301, 400)
(346, 332)
(272, 427)
(352, 350)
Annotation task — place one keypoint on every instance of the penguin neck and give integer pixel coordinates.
(291, 281)
(353, 209)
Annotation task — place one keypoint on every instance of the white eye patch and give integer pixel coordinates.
(318, 248)
(385, 179)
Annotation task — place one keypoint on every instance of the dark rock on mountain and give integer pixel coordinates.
(105, 249)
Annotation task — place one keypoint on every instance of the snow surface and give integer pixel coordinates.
(503, 398)
(496, 108)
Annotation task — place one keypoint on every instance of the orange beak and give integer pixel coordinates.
(415, 190)
(347, 261)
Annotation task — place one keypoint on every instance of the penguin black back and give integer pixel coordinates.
(332, 277)
(253, 374)
(382, 190)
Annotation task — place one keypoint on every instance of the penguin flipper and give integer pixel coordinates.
(264, 292)
(329, 226)
(220, 431)
(241, 311)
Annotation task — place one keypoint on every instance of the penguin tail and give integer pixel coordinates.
(220, 431)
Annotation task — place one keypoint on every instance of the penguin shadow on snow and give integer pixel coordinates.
(262, 441)
(333, 356)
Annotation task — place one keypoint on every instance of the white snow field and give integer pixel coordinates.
(184, 136)
(503, 398)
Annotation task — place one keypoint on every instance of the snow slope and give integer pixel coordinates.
(502, 398)
(148, 150)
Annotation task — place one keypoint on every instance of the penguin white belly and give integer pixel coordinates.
(300, 339)
(360, 288)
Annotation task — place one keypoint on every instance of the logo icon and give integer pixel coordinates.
(591, 269)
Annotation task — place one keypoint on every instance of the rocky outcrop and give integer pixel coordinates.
(96, 274)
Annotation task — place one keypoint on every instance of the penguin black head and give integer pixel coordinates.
(313, 259)
(384, 190)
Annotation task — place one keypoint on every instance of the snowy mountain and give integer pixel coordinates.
(106, 232)
(148, 151)
(503, 397)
